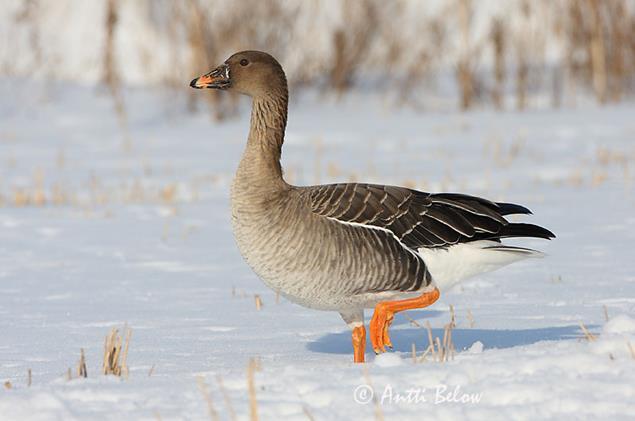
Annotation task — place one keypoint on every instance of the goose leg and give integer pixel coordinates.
(385, 336)
(355, 320)
(385, 313)
(359, 344)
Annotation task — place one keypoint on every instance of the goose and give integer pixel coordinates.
(347, 247)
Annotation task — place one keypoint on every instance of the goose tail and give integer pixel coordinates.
(451, 265)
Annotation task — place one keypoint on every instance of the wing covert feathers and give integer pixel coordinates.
(420, 219)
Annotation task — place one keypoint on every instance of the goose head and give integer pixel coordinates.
(252, 73)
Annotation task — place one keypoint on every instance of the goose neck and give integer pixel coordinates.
(261, 161)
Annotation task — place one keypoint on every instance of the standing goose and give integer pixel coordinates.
(350, 246)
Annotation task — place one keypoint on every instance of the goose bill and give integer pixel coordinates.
(216, 79)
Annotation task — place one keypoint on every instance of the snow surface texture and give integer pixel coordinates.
(143, 237)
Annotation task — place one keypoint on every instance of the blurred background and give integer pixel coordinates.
(114, 75)
(426, 54)
(115, 178)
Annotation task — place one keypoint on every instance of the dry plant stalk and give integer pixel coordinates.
(430, 347)
(600, 51)
(81, 365)
(593, 39)
(425, 354)
(251, 387)
(112, 16)
(21, 198)
(202, 386)
(597, 50)
(110, 77)
(411, 320)
(588, 335)
(430, 340)
(124, 359)
(168, 193)
(446, 338)
(308, 414)
(30, 15)
(113, 351)
(497, 36)
(202, 42)
(449, 344)
(465, 65)
(351, 44)
(258, 301)
(441, 349)
(29, 378)
(522, 60)
(621, 27)
(630, 347)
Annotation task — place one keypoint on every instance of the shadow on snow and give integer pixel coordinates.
(463, 338)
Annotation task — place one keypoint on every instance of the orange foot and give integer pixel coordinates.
(385, 313)
(359, 343)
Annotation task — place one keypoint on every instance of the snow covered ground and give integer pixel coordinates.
(111, 234)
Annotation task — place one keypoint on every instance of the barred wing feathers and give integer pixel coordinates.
(419, 219)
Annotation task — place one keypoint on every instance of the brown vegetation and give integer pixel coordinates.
(116, 353)
(527, 49)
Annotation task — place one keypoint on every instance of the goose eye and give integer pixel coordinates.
(244, 62)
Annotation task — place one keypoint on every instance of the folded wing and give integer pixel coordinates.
(419, 219)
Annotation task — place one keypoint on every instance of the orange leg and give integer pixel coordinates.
(386, 337)
(359, 343)
(385, 313)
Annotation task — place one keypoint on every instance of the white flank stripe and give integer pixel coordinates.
(376, 228)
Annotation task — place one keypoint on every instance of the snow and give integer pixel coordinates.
(619, 324)
(142, 237)
(476, 348)
(388, 360)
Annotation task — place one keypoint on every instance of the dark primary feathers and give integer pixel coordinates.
(421, 219)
